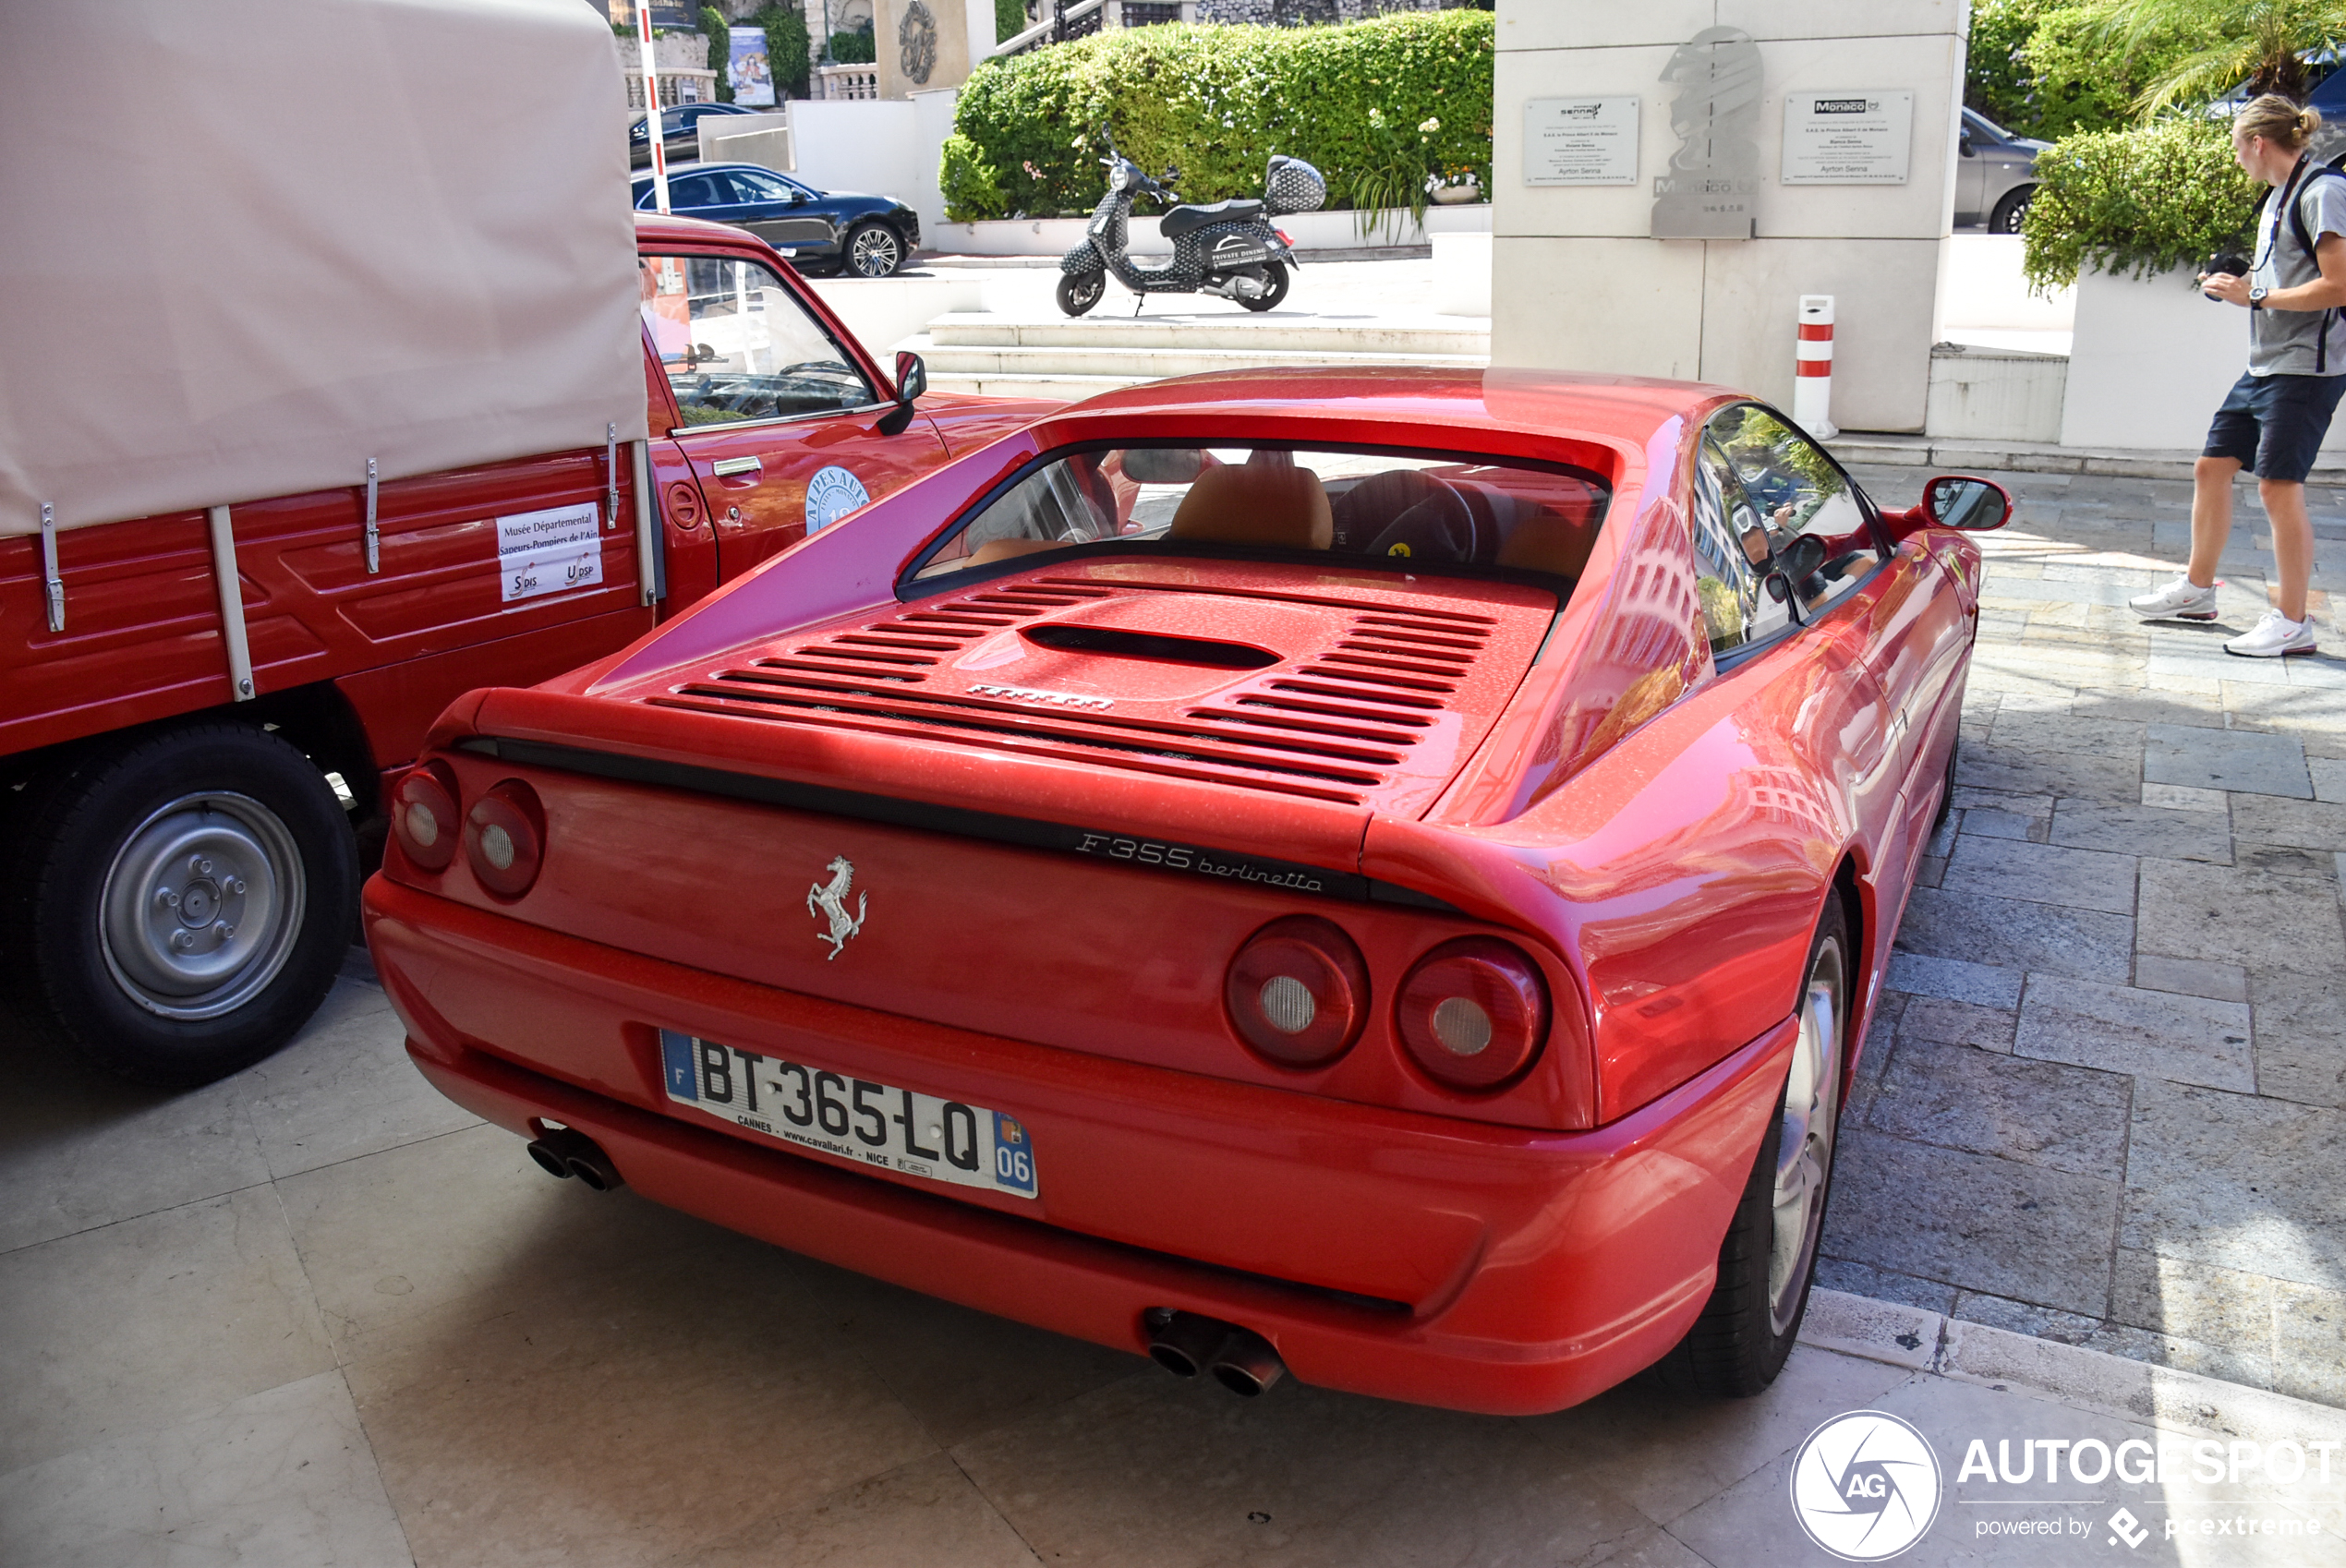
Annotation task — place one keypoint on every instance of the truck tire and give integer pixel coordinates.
(176, 904)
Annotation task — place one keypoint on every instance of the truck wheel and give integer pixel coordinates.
(178, 906)
(873, 250)
(1769, 1255)
(1079, 291)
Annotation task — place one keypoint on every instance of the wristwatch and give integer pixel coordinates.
(2256, 293)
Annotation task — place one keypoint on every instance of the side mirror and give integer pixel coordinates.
(912, 380)
(1968, 150)
(1973, 505)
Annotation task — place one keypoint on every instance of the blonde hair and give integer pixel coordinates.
(2286, 124)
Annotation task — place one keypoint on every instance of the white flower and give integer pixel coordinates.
(1430, 126)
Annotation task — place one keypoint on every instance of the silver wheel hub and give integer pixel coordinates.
(1804, 1147)
(874, 253)
(203, 905)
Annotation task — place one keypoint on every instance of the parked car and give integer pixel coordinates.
(1375, 873)
(869, 237)
(1995, 176)
(679, 132)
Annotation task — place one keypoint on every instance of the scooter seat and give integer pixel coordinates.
(1188, 219)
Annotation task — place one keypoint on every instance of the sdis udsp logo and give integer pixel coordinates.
(1866, 1486)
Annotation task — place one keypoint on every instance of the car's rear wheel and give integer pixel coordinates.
(873, 250)
(1769, 1256)
(2010, 210)
(176, 906)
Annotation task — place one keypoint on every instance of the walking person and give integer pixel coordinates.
(2277, 414)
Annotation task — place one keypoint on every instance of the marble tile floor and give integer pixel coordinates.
(316, 1316)
(2104, 1098)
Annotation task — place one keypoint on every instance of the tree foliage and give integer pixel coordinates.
(787, 47)
(2043, 67)
(2224, 43)
(1218, 101)
(721, 50)
(2136, 201)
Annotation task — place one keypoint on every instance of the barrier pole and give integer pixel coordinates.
(651, 103)
(1812, 372)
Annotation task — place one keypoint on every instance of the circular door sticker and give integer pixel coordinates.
(1865, 1486)
(831, 494)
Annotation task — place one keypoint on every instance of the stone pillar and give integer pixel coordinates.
(1578, 280)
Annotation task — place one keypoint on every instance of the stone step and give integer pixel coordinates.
(1151, 364)
(1268, 334)
(1067, 388)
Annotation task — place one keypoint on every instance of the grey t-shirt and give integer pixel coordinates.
(2288, 342)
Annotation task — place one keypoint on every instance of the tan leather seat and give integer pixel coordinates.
(1253, 504)
(1002, 550)
(1545, 542)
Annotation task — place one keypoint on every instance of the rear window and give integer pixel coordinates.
(1403, 511)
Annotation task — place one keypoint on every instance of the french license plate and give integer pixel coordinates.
(852, 1118)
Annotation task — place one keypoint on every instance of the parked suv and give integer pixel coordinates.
(679, 132)
(1996, 174)
(868, 236)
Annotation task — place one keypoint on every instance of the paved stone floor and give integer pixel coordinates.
(315, 1314)
(2106, 1103)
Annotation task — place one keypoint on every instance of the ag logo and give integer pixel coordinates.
(1865, 1486)
(831, 494)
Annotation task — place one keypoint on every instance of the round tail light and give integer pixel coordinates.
(423, 815)
(1473, 1012)
(1298, 992)
(505, 839)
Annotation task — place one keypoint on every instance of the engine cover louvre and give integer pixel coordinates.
(1338, 690)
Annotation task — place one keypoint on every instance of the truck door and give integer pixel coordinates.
(778, 419)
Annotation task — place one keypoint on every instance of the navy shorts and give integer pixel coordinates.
(2273, 425)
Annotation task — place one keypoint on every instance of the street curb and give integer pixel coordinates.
(1924, 1340)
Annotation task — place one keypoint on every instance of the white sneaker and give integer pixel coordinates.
(2180, 600)
(2274, 635)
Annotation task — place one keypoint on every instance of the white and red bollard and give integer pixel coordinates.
(651, 103)
(1812, 374)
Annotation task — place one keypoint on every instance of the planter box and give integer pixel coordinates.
(1311, 230)
(2151, 359)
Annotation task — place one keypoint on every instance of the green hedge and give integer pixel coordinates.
(1218, 102)
(787, 47)
(2137, 201)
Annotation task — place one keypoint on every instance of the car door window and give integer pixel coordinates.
(1731, 552)
(737, 345)
(688, 191)
(1814, 523)
(750, 185)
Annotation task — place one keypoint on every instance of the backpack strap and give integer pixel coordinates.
(2295, 197)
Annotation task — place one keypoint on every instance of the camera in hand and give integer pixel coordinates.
(2238, 266)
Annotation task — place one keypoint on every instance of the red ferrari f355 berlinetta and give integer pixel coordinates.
(1374, 875)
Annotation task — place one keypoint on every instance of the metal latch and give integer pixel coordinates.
(52, 585)
(610, 476)
(374, 537)
(725, 468)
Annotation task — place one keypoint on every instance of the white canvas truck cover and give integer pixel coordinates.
(247, 245)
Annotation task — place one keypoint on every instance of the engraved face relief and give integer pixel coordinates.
(1713, 174)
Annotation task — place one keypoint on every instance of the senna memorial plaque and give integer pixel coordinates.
(1580, 141)
(1713, 178)
(1856, 137)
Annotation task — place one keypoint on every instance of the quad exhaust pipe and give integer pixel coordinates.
(1188, 1344)
(565, 1152)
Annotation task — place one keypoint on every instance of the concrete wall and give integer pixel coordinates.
(1577, 282)
(870, 145)
(2151, 360)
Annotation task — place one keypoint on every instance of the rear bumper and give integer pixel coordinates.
(1516, 1271)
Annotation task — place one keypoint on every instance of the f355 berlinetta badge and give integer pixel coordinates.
(830, 899)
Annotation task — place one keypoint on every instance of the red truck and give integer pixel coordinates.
(290, 461)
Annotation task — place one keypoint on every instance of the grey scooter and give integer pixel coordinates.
(1228, 248)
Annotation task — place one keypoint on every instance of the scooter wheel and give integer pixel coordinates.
(1275, 280)
(1079, 291)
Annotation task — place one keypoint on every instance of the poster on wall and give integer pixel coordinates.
(1856, 137)
(752, 82)
(1580, 140)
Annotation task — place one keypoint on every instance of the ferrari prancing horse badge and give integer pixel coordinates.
(830, 898)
